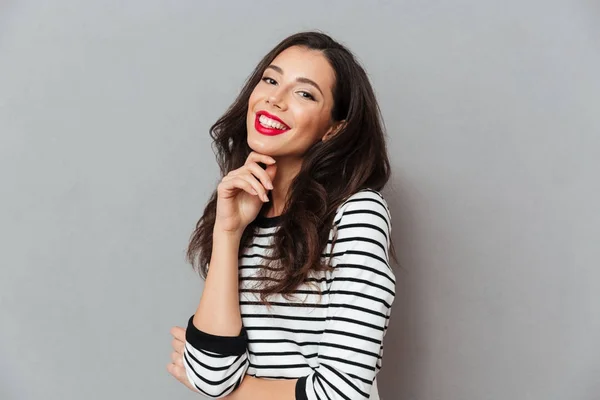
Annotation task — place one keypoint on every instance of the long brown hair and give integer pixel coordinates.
(354, 159)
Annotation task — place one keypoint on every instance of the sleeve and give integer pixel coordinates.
(215, 365)
(360, 298)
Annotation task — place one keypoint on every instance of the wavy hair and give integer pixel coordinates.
(353, 159)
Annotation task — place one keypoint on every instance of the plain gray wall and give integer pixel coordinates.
(493, 113)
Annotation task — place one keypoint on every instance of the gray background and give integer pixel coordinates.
(492, 109)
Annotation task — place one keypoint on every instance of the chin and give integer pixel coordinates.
(258, 144)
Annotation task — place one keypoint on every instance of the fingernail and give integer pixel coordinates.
(270, 186)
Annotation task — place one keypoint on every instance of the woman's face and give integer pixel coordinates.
(290, 108)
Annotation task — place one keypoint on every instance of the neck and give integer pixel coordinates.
(287, 170)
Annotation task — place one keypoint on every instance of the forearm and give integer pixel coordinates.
(219, 310)
(253, 388)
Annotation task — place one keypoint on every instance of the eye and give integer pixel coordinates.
(306, 95)
(270, 81)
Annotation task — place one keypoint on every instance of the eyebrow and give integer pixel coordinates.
(299, 79)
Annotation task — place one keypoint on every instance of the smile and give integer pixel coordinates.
(268, 124)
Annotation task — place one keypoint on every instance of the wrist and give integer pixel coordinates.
(225, 242)
(221, 233)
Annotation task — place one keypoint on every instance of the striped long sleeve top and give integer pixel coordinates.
(328, 336)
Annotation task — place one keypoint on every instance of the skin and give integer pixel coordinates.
(300, 105)
(305, 108)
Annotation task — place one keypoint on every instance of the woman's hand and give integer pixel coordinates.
(176, 367)
(242, 192)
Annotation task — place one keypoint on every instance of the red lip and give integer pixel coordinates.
(269, 131)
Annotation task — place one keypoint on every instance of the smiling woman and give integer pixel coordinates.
(295, 243)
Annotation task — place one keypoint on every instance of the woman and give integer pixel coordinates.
(294, 244)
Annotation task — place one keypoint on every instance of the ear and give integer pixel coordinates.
(334, 129)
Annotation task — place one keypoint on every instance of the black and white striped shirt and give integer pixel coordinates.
(333, 341)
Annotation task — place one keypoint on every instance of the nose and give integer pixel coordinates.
(276, 99)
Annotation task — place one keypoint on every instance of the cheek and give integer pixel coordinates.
(258, 93)
(252, 100)
(306, 115)
(312, 120)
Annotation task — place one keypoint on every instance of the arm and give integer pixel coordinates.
(215, 355)
(219, 310)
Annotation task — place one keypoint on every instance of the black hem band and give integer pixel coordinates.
(301, 389)
(223, 345)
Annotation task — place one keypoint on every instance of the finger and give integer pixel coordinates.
(231, 183)
(248, 183)
(178, 333)
(257, 157)
(256, 184)
(261, 175)
(178, 345)
(179, 373)
(271, 171)
(177, 359)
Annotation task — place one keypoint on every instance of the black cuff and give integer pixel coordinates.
(301, 389)
(223, 345)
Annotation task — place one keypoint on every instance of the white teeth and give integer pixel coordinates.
(270, 123)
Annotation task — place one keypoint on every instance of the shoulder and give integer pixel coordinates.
(362, 238)
(362, 226)
(367, 206)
